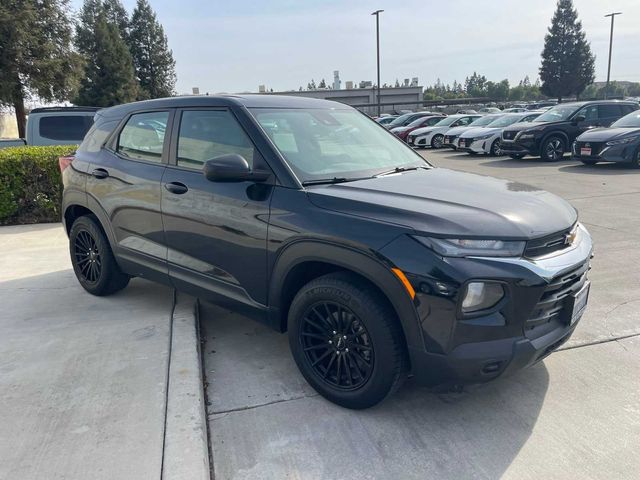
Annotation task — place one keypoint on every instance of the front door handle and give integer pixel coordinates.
(176, 187)
(100, 173)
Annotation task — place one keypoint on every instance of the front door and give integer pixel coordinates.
(216, 232)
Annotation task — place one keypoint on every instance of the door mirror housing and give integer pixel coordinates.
(232, 168)
(579, 118)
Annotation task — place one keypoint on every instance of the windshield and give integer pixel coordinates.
(400, 121)
(326, 143)
(506, 121)
(446, 121)
(557, 114)
(418, 122)
(482, 121)
(631, 120)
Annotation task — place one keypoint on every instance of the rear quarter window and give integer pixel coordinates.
(97, 136)
(65, 127)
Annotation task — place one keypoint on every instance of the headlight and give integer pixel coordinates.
(462, 247)
(623, 141)
(481, 295)
(525, 136)
(484, 137)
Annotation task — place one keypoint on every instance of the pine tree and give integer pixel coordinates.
(322, 84)
(109, 78)
(114, 13)
(567, 62)
(36, 57)
(152, 59)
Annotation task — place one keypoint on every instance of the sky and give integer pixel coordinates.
(234, 46)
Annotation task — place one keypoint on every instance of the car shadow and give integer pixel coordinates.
(526, 162)
(601, 169)
(415, 433)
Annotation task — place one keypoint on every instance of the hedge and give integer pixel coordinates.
(30, 184)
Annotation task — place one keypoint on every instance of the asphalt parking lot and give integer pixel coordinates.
(577, 415)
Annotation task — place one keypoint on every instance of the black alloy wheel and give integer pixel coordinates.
(553, 149)
(93, 262)
(87, 256)
(337, 345)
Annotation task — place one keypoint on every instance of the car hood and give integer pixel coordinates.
(606, 134)
(518, 127)
(444, 202)
(479, 131)
(428, 130)
(458, 130)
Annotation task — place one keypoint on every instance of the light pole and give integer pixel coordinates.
(613, 16)
(377, 14)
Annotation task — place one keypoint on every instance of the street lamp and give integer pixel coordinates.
(613, 16)
(377, 14)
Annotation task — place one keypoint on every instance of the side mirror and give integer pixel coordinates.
(578, 119)
(231, 168)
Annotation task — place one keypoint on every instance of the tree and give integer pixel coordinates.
(322, 84)
(114, 13)
(567, 62)
(36, 57)
(498, 91)
(109, 78)
(152, 59)
(476, 85)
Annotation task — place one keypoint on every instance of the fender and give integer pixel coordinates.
(373, 267)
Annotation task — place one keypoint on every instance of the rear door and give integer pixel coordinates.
(609, 113)
(124, 183)
(216, 232)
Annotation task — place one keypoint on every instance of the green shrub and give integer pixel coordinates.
(30, 184)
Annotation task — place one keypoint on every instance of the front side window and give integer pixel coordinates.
(70, 128)
(590, 113)
(557, 114)
(206, 134)
(322, 144)
(142, 138)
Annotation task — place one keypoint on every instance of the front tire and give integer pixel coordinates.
(346, 341)
(92, 259)
(552, 149)
(495, 151)
(437, 140)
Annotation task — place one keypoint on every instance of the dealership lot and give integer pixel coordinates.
(577, 412)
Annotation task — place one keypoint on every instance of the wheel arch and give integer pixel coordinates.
(303, 261)
(556, 133)
(73, 211)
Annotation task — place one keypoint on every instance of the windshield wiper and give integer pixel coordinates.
(327, 181)
(397, 170)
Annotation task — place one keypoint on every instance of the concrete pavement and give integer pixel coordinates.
(83, 380)
(577, 415)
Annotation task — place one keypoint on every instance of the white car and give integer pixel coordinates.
(451, 137)
(434, 136)
(486, 139)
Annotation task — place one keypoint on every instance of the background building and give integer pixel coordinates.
(396, 99)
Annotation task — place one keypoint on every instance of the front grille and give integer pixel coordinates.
(548, 244)
(596, 147)
(450, 138)
(553, 302)
(509, 135)
(465, 142)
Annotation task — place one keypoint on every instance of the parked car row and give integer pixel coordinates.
(594, 131)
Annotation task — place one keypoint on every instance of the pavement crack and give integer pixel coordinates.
(251, 407)
(598, 342)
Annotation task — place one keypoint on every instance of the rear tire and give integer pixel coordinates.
(436, 141)
(552, 149)
(92, 259)
(346, 341)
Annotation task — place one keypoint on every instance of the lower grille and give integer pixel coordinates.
(553, 302)
(507, 135)
(596, 147)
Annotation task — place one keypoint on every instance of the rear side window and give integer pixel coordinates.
(627, 109)
(610, 111)
(65, 127)
(96, 136)
(142, 138)
(206, 134)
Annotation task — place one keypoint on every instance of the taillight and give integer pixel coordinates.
(65, 161)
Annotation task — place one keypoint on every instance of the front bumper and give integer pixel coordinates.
(451, 141)
(526, 326)
(528, 147)
(477, 146)
(419, 141)
(623, 153)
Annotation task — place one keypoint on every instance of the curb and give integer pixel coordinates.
(186, 450)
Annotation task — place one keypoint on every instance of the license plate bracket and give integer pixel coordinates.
(585, 152)
(579, 302)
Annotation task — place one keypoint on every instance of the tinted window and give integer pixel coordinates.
(589, 113)
(65, 127)
(610, 111)
(627, 109)
(142, 137)
(206, 134)
(464, 121)
(96, 136)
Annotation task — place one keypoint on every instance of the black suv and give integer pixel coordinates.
(553, 132)
(308, 216)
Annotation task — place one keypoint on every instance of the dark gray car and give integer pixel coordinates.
(619, 143)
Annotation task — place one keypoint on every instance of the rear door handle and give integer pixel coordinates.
(176, 187)
(100, 173)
